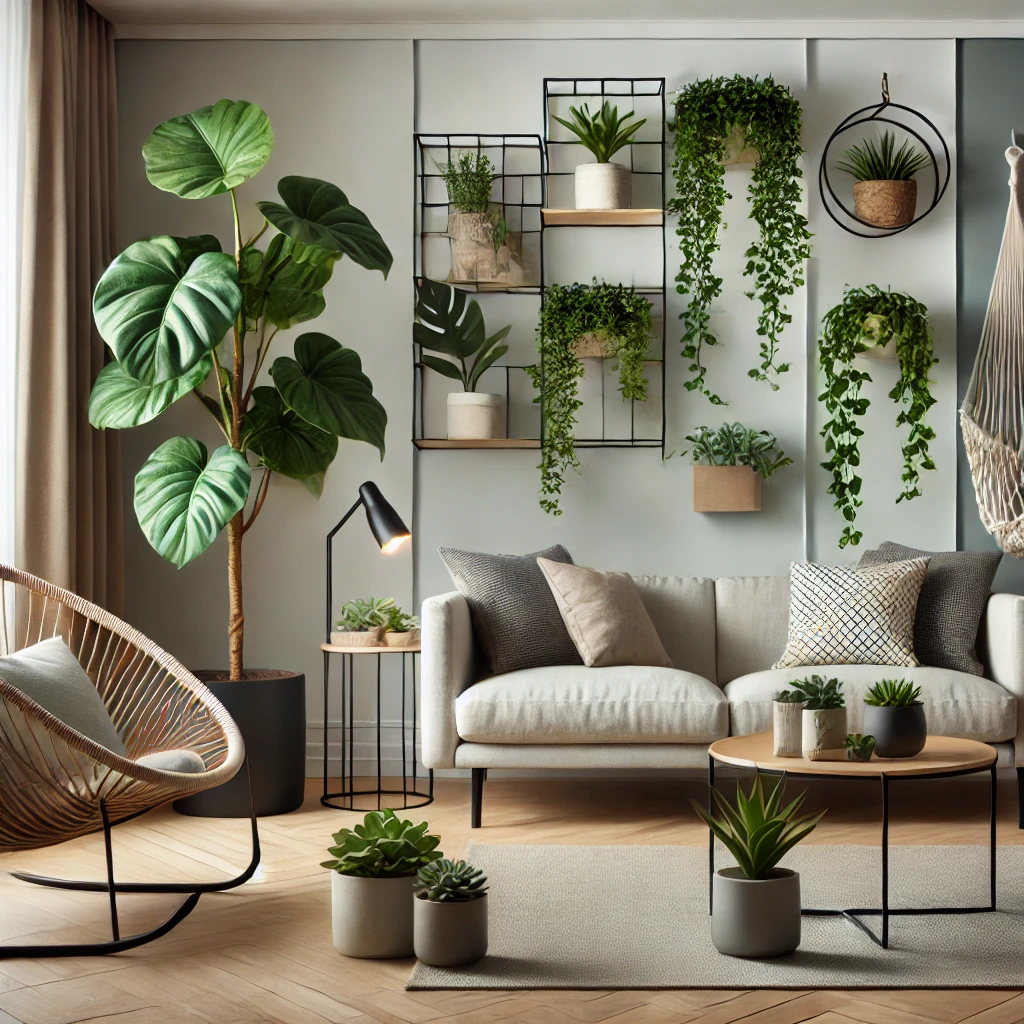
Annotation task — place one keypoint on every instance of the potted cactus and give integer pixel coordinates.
(362, 622)
(787, 723)
(824, 718)
(373, 875)
(450, 914)
(894, 714)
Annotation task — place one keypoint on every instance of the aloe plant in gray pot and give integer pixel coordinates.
(450, 914)
(894, 715)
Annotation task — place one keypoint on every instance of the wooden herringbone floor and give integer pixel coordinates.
(263, 952)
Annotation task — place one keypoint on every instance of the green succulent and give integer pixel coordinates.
(603, 133)
(383, 846)
(882, 161)
(451, 881)
(892, 693)
(398, 622)
(789, 697)
(365, 614)
(859, 747)
(735, 445)
(757, 831)
(819, 694)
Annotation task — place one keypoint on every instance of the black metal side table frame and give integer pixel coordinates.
(854, 914)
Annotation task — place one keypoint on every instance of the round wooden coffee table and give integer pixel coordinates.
(942, 757)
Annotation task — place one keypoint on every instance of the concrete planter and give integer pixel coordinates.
(885, 204)
(898, 732)
(372, 917)
(756, 917)
(450, 934)
(473, 415)
(824, 734)
(726, 489)
(787, 728)
(602, 187)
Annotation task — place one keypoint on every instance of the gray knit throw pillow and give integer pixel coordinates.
(514, 613)
(953, 599)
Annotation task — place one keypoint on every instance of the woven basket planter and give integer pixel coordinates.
(726, 489)
(885, 204)
(358, 638)
(409, 638)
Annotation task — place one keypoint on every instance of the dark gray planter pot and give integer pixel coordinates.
(450, 934)
(898, 732)
(756, 917)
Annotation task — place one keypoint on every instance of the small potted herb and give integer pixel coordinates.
(729, 466)
(603, 185)
(787, 723)
(894, 713)
(859, 747)
(373, 876)
(884, 192)
(362, 622)
(450, 914)
(400, 630)
(449, 322)
(756, 905)
(824, 718)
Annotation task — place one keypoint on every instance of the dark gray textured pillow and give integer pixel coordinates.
(514, 613)
(952, 602)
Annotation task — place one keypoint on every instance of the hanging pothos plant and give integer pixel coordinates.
(619, 320)
(868, 318)
(767, 118)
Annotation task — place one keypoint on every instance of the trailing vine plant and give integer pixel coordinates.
(621, 321)
(865, 318)
(767, 117)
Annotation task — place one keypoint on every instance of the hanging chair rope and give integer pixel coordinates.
(993, 408)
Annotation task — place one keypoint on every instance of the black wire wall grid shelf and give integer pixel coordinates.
(908, 120)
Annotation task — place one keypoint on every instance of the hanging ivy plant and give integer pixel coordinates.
(868, 317)
(767, 118)
(620, 322)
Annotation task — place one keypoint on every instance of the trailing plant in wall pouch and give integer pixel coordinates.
(768, 118)
(618, 321)
(866, 319)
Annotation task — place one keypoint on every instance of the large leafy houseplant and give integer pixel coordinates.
(768, 117)
(866, 318)
(182, 317)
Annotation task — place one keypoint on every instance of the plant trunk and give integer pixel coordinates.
(236, 619)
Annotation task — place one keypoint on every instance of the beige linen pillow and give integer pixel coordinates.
(604, 615)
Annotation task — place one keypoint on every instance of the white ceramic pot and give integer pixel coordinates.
(787, 728)
(755, 917)
(473, 415)
(450, 934)
(372, 917)
(824, 734)
(602, 187)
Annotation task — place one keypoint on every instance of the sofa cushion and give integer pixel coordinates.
(751, 621)
(955, 703)
(570, 704)
(682, 609)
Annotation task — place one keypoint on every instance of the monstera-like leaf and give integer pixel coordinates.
(118, 401)
(285, 442)
(318, 214)
(162, 312)
(184, 498)
(209, 151)
(325, 385)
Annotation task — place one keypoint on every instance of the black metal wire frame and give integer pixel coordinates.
(854, 914)
(854, 120)
(117, 944)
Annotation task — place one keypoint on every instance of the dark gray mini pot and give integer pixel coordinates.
(449, 934)
(756, 917)
(898, 732)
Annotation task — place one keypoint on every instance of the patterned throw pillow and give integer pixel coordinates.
(853, 616)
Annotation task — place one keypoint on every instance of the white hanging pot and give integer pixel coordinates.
(474, 415)
(602, 187)
(880, 344)
(372, 917)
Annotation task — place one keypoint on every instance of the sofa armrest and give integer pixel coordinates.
(1004, 654)
(446, 637)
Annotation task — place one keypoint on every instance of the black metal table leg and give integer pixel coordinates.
(711, 837)
(327, 690)
(992, 839)
(885, 861)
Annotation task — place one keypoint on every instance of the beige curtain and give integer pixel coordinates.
(69, 514)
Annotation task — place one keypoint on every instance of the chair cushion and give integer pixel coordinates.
(49, 673)
(955, 703)
(181, 759)
(573, 704)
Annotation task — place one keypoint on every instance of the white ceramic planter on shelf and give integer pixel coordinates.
(372, 917)
(602, 187)
(474, 415)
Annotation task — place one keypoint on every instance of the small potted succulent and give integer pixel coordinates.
(602, 185)
(449, 322)
(894, 713)
(824, 718)
(362, 622)
(859, 747)
(729, 465)
(884, 192)
(450, 914)
(373, 876)
(756, 905)
(400, 630)
(787, 723)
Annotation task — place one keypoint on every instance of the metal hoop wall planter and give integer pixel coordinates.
(875, 114)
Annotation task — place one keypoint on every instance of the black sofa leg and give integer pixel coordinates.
(479, 774)
(1020, 798)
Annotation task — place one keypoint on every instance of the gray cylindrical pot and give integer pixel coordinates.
(787, 728)
(756, 917)
(898, 732)
(450, 934)
(372, 917)
(824, 734)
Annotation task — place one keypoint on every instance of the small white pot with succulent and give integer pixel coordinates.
(824, 718)
(373, 878)
(449, 322)
(450, 914)
(787, 724)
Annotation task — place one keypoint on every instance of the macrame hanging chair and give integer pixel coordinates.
(993, 408)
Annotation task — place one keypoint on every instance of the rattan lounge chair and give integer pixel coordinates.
(56, 784)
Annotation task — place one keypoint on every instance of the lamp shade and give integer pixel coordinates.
(385, 523)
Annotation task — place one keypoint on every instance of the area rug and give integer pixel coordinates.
(583, 917)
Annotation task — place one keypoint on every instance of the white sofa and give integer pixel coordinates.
(723, 637)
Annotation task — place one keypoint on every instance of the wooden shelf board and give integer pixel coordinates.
(602, 218)
(503, 442)
(335, 649)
